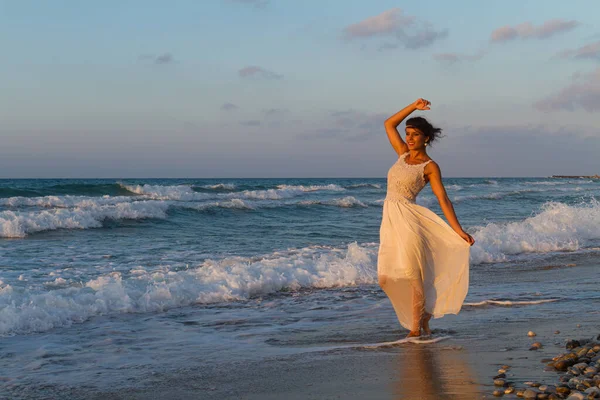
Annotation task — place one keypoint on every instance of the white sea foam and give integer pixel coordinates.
(558, 227)
(233, 203)
(312, 188)
(345, 202)
(160, 192)
(66, 201)
(359, 185)
(508, 303)
(489, 196)
(15, 224)
(560, 182)
(225, 186)
(146, 290)
(187, 193)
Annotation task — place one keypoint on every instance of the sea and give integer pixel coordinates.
(109, 283)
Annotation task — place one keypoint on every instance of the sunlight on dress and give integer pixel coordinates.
(419, 250)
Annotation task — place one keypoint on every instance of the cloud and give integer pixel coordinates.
(258, 73)
(255, 3)
(582, 93)
(276, 112)
(452, 58)
(229, 107)
(527, 30)
(589, 51)
(250, 123)
(396, 29)
(166, 58)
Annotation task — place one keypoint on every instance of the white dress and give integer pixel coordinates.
(418, 250)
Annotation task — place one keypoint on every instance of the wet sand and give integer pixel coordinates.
(452, 369)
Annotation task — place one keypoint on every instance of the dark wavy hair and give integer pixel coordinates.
(430, 131)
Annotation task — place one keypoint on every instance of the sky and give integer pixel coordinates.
(290, 88)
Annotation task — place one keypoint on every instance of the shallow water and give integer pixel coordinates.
(106, 283)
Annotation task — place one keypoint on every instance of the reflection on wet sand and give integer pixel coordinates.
(427, 372)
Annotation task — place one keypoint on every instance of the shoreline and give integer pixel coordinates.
(457, 368)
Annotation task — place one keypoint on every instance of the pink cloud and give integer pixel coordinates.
(589, 51)
(452, 58)
(258, 72)
(528, 30)
(583, 93)
(398, 29)
(385, 23)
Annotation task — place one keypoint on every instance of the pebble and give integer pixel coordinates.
(571, 344)
(563, 390)
(536, 346)
(581, 362)
(576, 396)
(531, 334)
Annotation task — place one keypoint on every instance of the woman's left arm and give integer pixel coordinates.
(433, 172)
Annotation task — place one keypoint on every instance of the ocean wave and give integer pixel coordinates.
(345, 202)
(311, 188)
(508, 303)
(558, 227)
(67, 201)
(233, 203)
(18, 224)
(187, 193)
(489, 196)
(220, 186)
(144, 290)
(361, 185)
(560, 182)
(160, 192)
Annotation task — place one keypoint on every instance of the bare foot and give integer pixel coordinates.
(425, 326)
(413, 334)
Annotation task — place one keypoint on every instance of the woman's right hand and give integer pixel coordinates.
(422, 104)
(468, 238)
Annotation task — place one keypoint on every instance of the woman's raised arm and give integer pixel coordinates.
(391, 124)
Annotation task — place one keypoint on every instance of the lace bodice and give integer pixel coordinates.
(405, 181)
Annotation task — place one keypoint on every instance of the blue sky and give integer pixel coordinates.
(282, 88)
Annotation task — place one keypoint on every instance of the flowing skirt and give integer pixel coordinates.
(420, 254)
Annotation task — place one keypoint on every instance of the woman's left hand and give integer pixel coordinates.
(468, 238)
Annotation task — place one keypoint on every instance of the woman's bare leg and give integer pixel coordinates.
(425, 324)
(418, 308)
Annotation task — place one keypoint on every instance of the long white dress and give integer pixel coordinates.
(419, 252)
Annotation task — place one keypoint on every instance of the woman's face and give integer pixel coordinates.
(415, 139)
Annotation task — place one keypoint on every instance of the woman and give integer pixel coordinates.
(423, 264)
